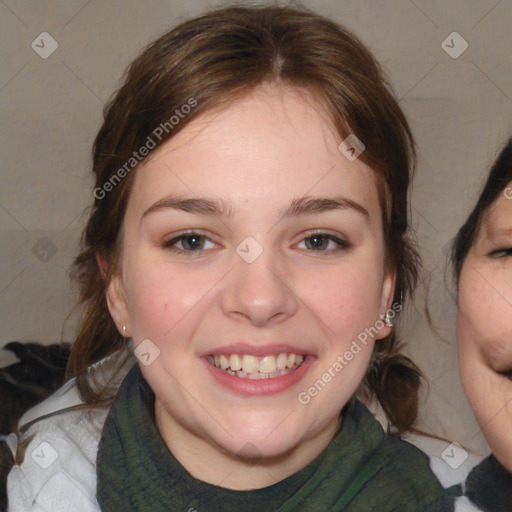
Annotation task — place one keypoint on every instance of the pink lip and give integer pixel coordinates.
(249, 387)
(255, 350)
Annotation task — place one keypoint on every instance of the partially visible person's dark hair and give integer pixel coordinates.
(212, 61)
(499, 176)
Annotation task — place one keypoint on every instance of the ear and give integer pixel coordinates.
(388, 292)
(116, 298)
(102, 264)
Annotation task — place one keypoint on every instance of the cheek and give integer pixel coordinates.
(159, 297)
(474, 332)
(484, 319)
(484, 313)
(490, 398)
(470, 365)
(346, 300)
(467, 297)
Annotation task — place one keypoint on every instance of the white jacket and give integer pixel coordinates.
(58, 473)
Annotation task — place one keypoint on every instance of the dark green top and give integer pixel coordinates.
(362, 470)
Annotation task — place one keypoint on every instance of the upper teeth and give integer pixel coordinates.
(251, 364)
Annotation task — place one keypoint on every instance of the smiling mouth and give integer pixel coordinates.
(251, 367)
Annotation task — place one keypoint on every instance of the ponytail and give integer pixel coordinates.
(395, 381)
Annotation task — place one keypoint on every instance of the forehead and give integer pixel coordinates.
(276, 106)
(274, 143)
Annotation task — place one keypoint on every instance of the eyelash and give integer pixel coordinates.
(170, 244)
(505, 252)
(506, 373)
(342, 245)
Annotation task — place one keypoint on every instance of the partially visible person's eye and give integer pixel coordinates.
(189, 243)
(506, 373)
(324, 242)
(501, 253)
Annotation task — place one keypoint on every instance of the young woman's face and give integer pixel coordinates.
(253, 255)
(484, 328)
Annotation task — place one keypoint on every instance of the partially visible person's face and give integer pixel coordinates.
(484, 328)
(251, 305)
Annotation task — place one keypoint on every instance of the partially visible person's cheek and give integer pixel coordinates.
(490, 396)
(480, 312)
(484, 321)
(484, 334)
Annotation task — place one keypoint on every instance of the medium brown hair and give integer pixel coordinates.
(216, 59)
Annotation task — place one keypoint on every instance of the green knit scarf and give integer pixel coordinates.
(362, 470)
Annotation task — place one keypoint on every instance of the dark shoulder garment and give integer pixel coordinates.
(489, 486)
(362, 470)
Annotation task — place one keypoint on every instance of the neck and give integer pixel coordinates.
(209, 462)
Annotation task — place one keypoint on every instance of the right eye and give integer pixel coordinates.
(506, 373)
(189, 243)
(501, 253)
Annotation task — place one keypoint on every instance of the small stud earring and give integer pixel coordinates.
(388, 321)
(124, 330)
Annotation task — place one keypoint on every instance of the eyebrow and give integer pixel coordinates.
(301, 206)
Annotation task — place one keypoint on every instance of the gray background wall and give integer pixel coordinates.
(460, 110)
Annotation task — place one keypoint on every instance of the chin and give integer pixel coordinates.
(258, 448)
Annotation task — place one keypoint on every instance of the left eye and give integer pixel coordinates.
(323, 241)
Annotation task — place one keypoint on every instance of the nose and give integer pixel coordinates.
(257, 292)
